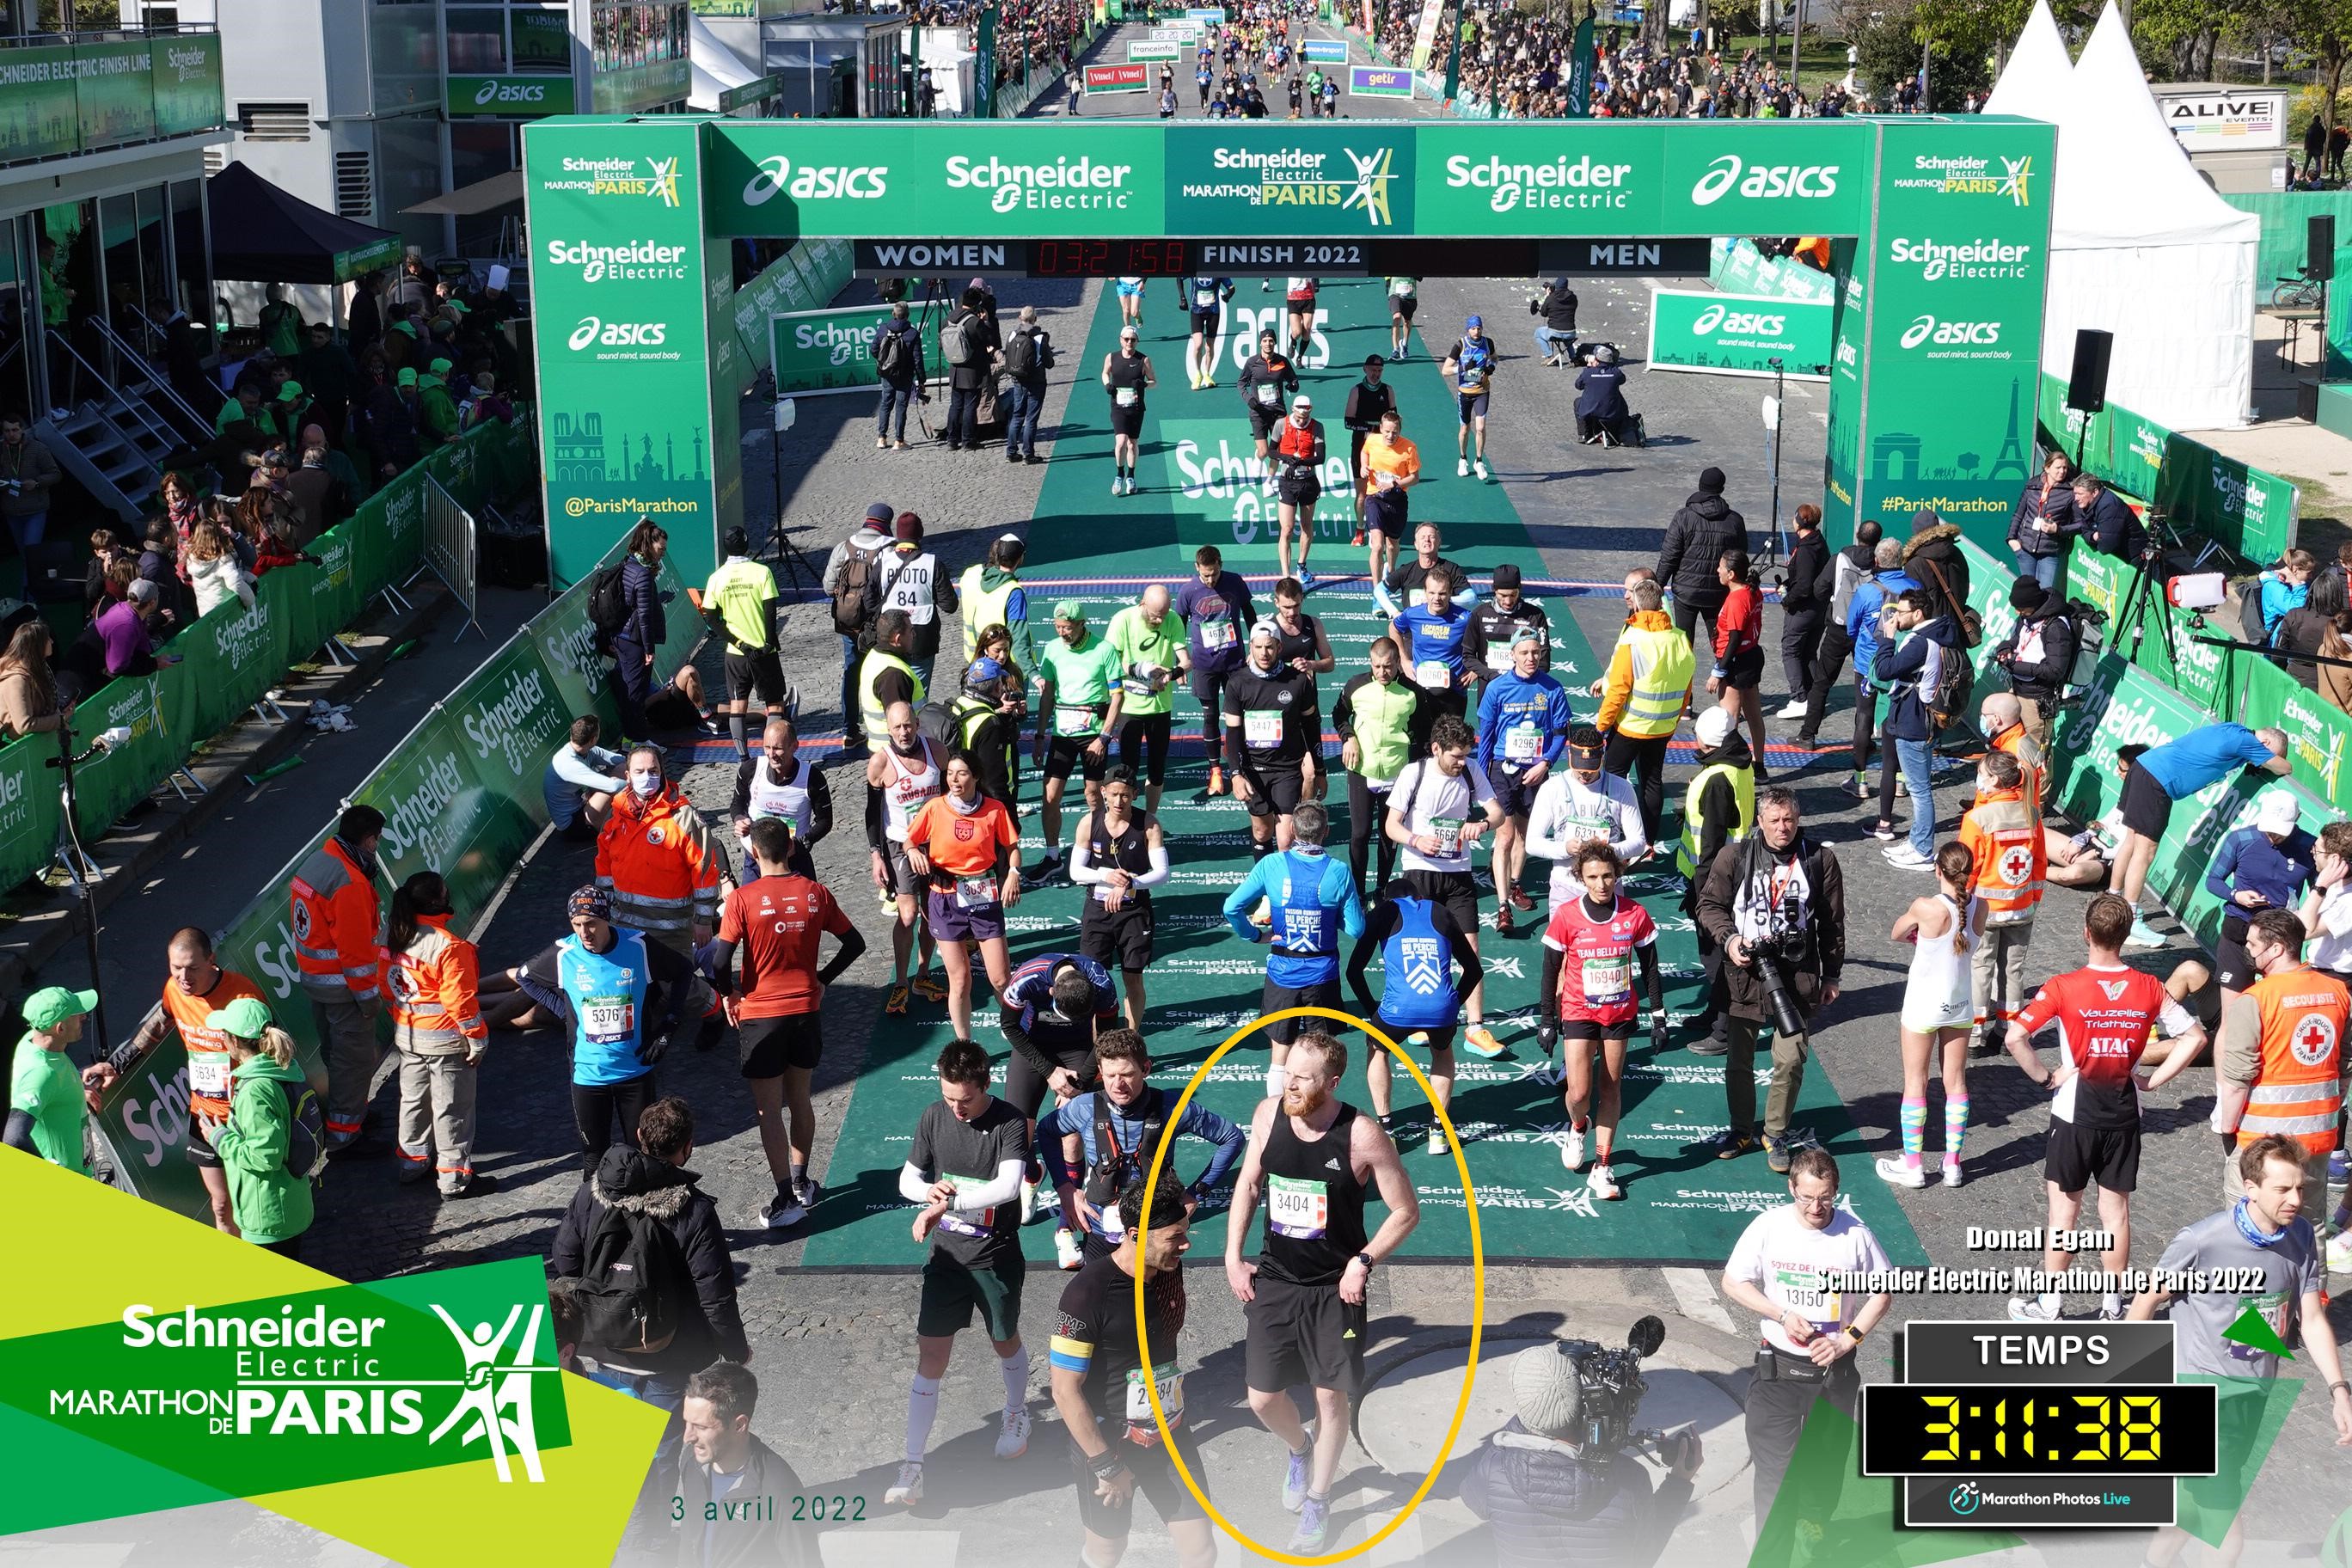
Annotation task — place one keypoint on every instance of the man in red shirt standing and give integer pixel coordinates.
(2104, 1012)
(777, 919)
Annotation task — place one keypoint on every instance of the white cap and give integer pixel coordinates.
(1713, 727)
(2276, 812)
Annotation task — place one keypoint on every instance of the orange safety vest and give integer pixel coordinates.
(651, 855)
(2298, 1089)
(2029, 762)
(434, 989)
(207, 1048)
(2001, 832)
(337, 926)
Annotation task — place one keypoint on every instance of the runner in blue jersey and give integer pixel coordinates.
(1431, 633)
(1312, 901)
(1524, 720)
(1420, 944)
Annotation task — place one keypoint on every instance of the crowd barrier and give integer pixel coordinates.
(2244, 509)
(805, 277)
(1736, 267)
(461, 794)
(232, 657)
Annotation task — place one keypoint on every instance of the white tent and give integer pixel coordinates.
(717, 68)
(2140, 245)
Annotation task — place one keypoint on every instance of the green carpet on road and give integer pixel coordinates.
(1204, 982)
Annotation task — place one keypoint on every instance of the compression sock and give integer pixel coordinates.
(735, 733)
(1955, 1126)
(1915, 1129)
(1015, 1368)
(922, 1409)
(799, 1175)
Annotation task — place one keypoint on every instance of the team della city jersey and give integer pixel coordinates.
(1596, 972)
(2104, 1017)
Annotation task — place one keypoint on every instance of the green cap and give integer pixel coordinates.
(439, 367)
(245, 1018)
(408, 376)
(1070, 610)
(408, 327)
(457, 305)
(47, 1009)
(290, 392)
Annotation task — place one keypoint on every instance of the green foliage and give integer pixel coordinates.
(1960, 40)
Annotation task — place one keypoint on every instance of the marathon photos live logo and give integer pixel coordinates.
(309, 1388)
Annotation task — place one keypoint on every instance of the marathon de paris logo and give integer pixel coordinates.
(497, 1398)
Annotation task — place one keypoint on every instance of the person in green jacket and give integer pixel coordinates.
(281, 324)
(47, 1094)
(272, 1204)
(436, 412)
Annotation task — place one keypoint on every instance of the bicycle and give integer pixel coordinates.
(2302, 291)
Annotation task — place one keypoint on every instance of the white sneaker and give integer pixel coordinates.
(909, 1488)
(1900, 1171)
(1571, 1150)
(1952, 1176)
(1067, 1250)
(1461, 467)
(1905, 858)
(782, 1212)
(2143, 935)
(1012, 1440)
(1796, 710)
(1603, 1183)
(2021, 1311)
(1437, 1146)
(1115, 482)
(1480, 467)
(2339, 1254)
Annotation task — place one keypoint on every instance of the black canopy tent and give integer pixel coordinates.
(263, 234)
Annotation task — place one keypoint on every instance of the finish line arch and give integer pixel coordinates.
(1940, 229)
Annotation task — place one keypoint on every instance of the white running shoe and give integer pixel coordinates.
(1908, 858)
(1795, 709)
(1013, 1441)
(1438, 1148)
(909, 1488)
(1067, 1250)
(1461, 467)
(1952, 1176)
(2143, 935)
(1901, 1172)
(782, 1212)
(1479, 467)
(1571, 1150)
(1603, 1183)
(1116, 485)
(2021, 1311)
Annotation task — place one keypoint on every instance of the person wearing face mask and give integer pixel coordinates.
(779, 783)
(656, 858)
(1373, 718)
(1273, 739)
(964, 844)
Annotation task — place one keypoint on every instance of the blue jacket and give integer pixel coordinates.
(2248, 862)
(640, 590)
(1198, 1121)
(1509, 700)
(1912, 671)
(1336, 892)
(1862, 615)
(2279, 596)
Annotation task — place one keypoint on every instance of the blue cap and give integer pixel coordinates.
(1477, 322)
(983, 669)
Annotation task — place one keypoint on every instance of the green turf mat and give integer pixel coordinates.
(1204, 982)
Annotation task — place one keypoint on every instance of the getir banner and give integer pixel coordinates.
(1739, 335)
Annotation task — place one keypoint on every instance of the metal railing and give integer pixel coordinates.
(158, 383)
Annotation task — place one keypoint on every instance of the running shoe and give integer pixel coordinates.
(928, 989)
(784, 1211)
(1953, 1175)
(1728, 1146)
(1520, 899)
(2022, 1311)
(896, 1003)
(1313, 1527)
(1461, 467)
(1012, 1440)
(1571, 1150)
(1438, 1148)
(1858, 787)
(1501, 918)
(1305, 578)
(907, 1491)
(880, 442)
(2143, 935)
(1114, 484)
(1207, 382)
(1216, 779)
(1797, 708)
(2111, 1311)
(1356, 540)
(1293, 1479)
(1480, 1041)
(1907, 858)
(1901, 1172)
(810, 1192)
(1196, 381)
(1067, 1250)
(1884, 831)
(1776, 1155)
(1480, 469)
(1602, 1184)
(2337, 1172)
(1028, 1202)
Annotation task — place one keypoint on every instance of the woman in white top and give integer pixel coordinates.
(2327, 908)
(1938, 1011)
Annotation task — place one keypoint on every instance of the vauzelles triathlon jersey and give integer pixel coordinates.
(1596, 974)
(2104, 1017)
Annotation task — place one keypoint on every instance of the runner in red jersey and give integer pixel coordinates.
(1590, 949)
(2104, 1012)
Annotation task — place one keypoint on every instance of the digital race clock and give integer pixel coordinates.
(1110, 258)
(2024, 1428)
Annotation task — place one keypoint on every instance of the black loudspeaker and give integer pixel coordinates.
(2319, 245)
(2086, 386)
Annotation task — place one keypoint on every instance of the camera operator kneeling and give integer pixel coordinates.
(1601, 410)
(1554, 1497)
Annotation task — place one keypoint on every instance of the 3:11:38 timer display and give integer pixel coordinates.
(2150, 1429)
(1110, 258)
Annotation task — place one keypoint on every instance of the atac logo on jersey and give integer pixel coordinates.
(2314, 1040)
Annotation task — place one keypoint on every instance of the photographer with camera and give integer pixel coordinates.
(1556, 1484)
(2038, 655)
(1776, 904)
(1810, 1333)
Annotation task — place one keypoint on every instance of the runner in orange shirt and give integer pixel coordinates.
(196, 987)
(968, 847)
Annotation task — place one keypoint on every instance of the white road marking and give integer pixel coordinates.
(1694, 1294)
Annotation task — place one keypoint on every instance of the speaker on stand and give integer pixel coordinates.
(2087, 382)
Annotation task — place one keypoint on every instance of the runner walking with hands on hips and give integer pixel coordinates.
(1126, 374)
(963, 1174)
(1470, 363)
(1938, 1011)
(1590, 949)
(967, 847)
(1312, 1161)
(1119, 856)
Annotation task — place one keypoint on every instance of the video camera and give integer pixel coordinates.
(1610, 1384)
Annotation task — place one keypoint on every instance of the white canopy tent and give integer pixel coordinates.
(717, 68)
(2140, 245)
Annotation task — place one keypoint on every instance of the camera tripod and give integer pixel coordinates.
(2164, 537)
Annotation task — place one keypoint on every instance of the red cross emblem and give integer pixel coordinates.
(2314, 1040)
(2016, 865)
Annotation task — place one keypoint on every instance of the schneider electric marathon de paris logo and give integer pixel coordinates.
(339, 1372)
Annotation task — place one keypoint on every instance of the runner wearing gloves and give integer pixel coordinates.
(1590, 949)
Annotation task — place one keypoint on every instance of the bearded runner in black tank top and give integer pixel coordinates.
(1314, 1203)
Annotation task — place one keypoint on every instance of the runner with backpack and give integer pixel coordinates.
(1928, 677)
(274, 1143)
(849, 573)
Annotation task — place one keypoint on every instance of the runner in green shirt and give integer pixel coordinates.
(45, 1094)
(1150, 643)
(1080, 695)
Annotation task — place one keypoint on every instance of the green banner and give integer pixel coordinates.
(827, 350)
(187, 77)
(1739, 335)
(759, 89)
(106, 92)
(114, 89)
(2243, 509)
(512, 96)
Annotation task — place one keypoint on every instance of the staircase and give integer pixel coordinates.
(115, 440)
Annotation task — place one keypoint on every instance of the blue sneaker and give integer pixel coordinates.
(1294, 1481)
(1313, 1527)
(2336, 1173)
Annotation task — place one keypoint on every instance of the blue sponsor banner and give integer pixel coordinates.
(1378, 81)
(1325, 51)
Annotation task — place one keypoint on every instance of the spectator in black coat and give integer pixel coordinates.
(902, 384)
(1696, 540)
(1932, 558)
(969, 377)
(2038, 652)
(721, 1464)
(2306, 626)
(387, 427)
(1555, 339)
(367, 314)
(1805, 607)
(1601, 398)
(644, 627)
(1549, 1501)
(2043, 521)
(652, 1180)
(2101, 516)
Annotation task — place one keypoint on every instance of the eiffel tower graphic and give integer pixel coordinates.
(2010, 464)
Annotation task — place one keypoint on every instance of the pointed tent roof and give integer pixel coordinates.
(263, 234)
(2034, 83)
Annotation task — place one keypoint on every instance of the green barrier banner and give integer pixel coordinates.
(29, 809)
(109, 785)
(827, 350)
(2316, 729)
(1736, 267)
(508, 717)
(1739, 335)
(2245, 510)
(187, 83)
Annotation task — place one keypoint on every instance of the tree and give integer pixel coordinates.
(1958, 40)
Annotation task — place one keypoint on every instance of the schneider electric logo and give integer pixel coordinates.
(838, 343)
(637, 260)
(1954, 340)
(814, 181)
(1065, 185)
(1763, 182)
(1975, 258)
(1557, 186)
(1737, 324)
